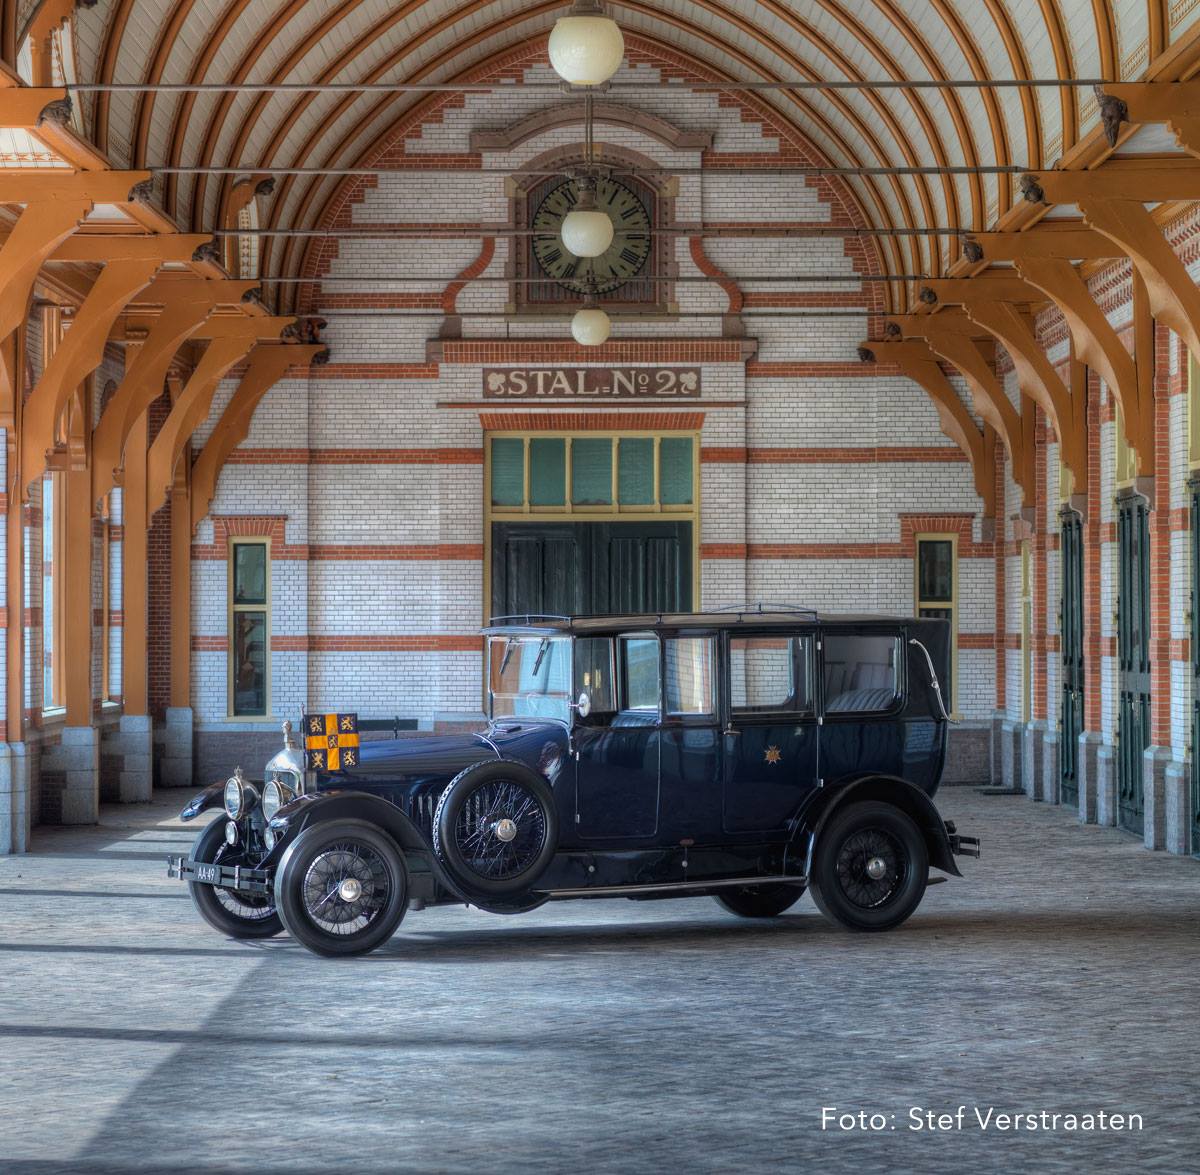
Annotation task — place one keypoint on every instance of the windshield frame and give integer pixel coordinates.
(511, 642)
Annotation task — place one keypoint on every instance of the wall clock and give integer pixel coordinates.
(626, 256)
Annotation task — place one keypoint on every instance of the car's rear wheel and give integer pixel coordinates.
(230, 911)
(761, 901)
(495, 828)
(342, 888)
(870, 867)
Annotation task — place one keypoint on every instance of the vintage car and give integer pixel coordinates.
(745, 755)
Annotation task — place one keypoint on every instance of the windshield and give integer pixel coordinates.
(530, 677)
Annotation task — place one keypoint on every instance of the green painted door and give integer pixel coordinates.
(582, 568)
(1133, 656)
(1071, 717)
(1194, 498)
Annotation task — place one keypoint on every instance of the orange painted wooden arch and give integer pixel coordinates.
(941, 130)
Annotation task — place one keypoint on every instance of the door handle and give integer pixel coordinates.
(729, 732)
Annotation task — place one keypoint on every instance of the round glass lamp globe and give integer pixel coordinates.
(586, 50)
(587, 234)
(590, 327)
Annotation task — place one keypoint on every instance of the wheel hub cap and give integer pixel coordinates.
(350, 890)
(506, 830)
(876, 868)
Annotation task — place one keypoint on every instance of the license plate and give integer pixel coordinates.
(207, 873)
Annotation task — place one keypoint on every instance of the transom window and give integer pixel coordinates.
(635, 474)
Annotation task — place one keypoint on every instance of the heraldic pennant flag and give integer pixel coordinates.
(330, 741)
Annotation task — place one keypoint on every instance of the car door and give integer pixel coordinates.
(617, 751)
(771, 736)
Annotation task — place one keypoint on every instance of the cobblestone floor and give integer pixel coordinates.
(1062, 975)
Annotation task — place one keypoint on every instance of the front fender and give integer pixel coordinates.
(888, 789)
(319, 807)
(212, 796)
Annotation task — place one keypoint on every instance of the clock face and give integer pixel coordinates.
(626, 256)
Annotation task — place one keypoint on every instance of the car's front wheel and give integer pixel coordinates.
(870, 867)
(342, 888)
(761, 901)
(230, 911)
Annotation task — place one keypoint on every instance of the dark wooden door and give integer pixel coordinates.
(1194, 499)
(1133, 656)
(579, 568)
(1071, 720)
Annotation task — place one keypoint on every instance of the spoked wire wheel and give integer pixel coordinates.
(342, 887)
(500, 830)
(871, 867)
(232, 912)
(346, 888)
(494, 829)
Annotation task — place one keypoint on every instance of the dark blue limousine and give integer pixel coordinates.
(745, 755)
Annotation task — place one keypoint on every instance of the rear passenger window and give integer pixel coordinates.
(639, 673)
(862, 672)
(770, 674)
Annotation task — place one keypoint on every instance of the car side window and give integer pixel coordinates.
(689, 674)
(862, 672)
(639, 673)
(770, 675)
(593, 673)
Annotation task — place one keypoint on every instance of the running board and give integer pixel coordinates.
(589, 891)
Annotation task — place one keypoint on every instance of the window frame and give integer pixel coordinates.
(950, 605)
(233, 609)
(622, 676)
(691, 717)
(900, 701)
(804, 645)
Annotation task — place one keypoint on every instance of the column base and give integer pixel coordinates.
(1032, 736)
(15, 819)
(1177, 807)
(70, 774)
(127, 760)
(1051, 777)
(1106, 786)
(1011, 757)
(1088, 772)
(175, 763)
(1155, 762)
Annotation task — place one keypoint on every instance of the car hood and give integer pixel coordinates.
(446, 755)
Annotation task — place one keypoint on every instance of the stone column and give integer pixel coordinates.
(1177, 807)
(1106, 785)
(1032, 736)
(76, 761)
(1154, 823)
(1089, 771)
(131, 746)
(1051, 777)
(1011, 758)
(175, 761)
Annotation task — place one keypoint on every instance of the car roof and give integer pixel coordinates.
(741, 617)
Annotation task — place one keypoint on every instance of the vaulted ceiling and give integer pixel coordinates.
(436, 41)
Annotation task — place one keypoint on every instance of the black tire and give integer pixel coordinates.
(846, 852)
(761, 901)
(239, 915)
(312, 904)
(472, 818)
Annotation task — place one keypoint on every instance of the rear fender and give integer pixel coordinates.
(887, 789)
(212, 796)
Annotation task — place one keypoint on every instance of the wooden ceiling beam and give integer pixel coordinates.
(268, 365)
(1173, 296)
(1075, 244)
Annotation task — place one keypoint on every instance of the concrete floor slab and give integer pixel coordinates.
(611, 1036)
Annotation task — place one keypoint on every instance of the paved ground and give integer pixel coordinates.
(1062, 975)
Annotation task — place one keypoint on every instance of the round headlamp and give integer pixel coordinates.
(240, 797)
(275, 795)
